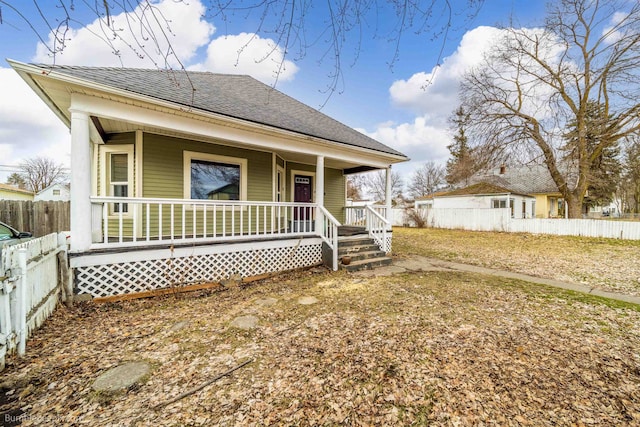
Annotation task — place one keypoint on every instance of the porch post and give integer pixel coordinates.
(388, 194)
(80, 181)
(319, 191)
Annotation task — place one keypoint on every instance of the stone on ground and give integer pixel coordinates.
(265, 302)
(121, 377)
(245, 322)
(307, 300)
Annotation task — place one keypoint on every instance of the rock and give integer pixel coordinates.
(178, 326)
(245, 322)
(307, 300)
(265, 302)
(121, 377)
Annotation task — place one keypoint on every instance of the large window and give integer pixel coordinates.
(211, 177)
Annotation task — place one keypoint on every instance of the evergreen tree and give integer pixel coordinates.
(462, 165)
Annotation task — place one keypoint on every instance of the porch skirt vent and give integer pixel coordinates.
(117, 278)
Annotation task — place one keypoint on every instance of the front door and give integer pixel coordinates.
(302, 193)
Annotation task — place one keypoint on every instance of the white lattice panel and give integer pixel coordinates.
(387, 243)
(138, 276)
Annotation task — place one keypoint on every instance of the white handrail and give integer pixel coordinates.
(377, 226)
(329, 234)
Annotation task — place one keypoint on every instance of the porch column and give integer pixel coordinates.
(388, 194)
(319, 190)
(80, 181)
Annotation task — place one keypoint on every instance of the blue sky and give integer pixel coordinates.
(388, 103)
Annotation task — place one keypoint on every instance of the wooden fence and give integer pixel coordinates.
(40, 218)
(500, 220)
(33, 277)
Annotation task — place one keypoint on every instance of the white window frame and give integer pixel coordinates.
(188, 156)
(283, 184)
(105, 176)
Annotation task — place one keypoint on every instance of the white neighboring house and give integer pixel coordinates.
(54, 192)
(485, 196)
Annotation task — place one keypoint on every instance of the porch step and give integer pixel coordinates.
(366, 264)
(364, 253)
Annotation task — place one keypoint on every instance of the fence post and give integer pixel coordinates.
(22, 302)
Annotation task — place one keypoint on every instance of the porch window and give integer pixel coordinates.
(211, 177)
(116, 175)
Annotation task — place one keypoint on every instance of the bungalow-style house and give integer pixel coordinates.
(484, 196)
(54, 192)
(533, 180)
(10, 192)
(181, 178)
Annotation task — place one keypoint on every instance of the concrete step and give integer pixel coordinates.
(366, 264)
(354, 241)
(357, 256)
(349, 250)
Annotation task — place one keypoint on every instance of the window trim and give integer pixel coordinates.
(105, 176)
(188, 156)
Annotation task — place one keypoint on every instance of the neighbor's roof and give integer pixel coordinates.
(237, 96)
(531, 179)
(7, 187)
(481, 188)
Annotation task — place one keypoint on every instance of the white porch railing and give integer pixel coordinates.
(141, 221)
(355, 215)
(330, 235)
(378, 227)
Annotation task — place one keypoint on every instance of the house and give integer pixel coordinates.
(486, 196)
(533, 180)
(9, 192)
(426, 202)
(149, 146)
(54, 192)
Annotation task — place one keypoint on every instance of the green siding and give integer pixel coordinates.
(163, 177)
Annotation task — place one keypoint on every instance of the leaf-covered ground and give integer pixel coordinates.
(608, 264)
(438, 348)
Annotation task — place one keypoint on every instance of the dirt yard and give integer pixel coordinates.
(437, 348)
(612, 265)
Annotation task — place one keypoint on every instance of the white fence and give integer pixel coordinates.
(500, 220)
(29, 290)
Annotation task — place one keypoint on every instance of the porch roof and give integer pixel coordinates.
(234, 96)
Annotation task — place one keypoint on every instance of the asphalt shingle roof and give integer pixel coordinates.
(479, 188)
(237, 96)
(534, 179)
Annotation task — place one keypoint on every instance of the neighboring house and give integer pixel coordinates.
(54, 192)
(426, 202)
(148, 147)
(533, 180)
(486, 196)
(9, 192)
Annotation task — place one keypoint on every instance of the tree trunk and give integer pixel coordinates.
(574, 205)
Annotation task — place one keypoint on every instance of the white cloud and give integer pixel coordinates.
(435, 94)
(28, 128)
(247, 53)
(88, 45)
(611, 33)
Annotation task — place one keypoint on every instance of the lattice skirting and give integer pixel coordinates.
(117, 278)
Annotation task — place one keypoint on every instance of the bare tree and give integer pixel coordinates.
(535, 82)
(355, 186)
(376, 185)
(343, 26)
(426, 180)
(40, 172)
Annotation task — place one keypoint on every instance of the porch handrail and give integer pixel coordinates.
(136, 221)
(377, 226)
(329, 234)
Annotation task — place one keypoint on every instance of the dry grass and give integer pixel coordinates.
(414, 349)
(609, 264)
